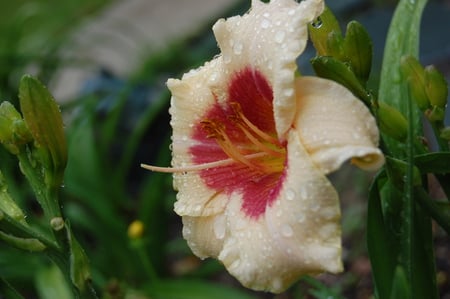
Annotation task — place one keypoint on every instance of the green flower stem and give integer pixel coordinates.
(139, 246)
(443, 144)
(440, 214)
(408, 199)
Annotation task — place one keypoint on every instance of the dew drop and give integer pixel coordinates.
(277, 283)
(317, 23)
(290, 194)
(186, 231)
(287, 231)
(237, 48)
(315, 207)
(240, 224)
(226, 58)
(356, 135)
(301, 218)
(289, 92)
(303, 193)
(265, 24)
(279, 37)
(219, 227)
(291, 12)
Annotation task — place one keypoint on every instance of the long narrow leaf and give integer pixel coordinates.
(402, 39)
(382, 251)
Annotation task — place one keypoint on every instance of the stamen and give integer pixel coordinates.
(259, 144)
(199, 167)
(227, 146)
(240, 115)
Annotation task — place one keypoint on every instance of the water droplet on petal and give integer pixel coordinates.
(301, 218)
(317, 23)
(265, 24)
(219, 227)
(237, 48)
(279, 37)
(287, 231)
(186, 231)
(289, 92)
(291, 12)
(290, 194)
(277, 283)
(315, 207)
(240, 224)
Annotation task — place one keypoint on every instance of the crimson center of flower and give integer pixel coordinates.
(238, 139)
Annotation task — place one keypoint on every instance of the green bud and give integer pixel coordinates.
(43, 118)
(445, 133)
(435, 114)
(30, 244)
(392, 122)
(8, 205)
(436, 87)
(414, 73)
(358, 50)
(14, 133)
(321, 30)
(333, 69)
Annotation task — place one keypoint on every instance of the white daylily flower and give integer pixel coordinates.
(252, 145)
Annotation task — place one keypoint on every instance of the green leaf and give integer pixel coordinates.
(402, 39)
(30, 244)
(50, 283)
(80, 274)
(400, 286)
(437, 163)
(396, 170)
(8, 291)
(381, 242)
(195, 289)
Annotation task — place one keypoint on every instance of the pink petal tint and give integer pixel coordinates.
(259, 179)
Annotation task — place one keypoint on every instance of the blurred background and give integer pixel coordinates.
(106, 62)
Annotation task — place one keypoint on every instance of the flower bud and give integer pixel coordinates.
(13, 130)
(414, 73)
(325, 34)
(436, 87)
(136, 229)
(333, 69)
(43, 118)
(445, 133)
(435, 114)
(392, 122)
(358, 50)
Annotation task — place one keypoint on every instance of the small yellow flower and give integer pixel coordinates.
(136, 229)
(253, 143)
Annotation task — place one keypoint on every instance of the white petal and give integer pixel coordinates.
(300, 233)
(269, 38)
(205, 235)
(335, 126)
(190, 99)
